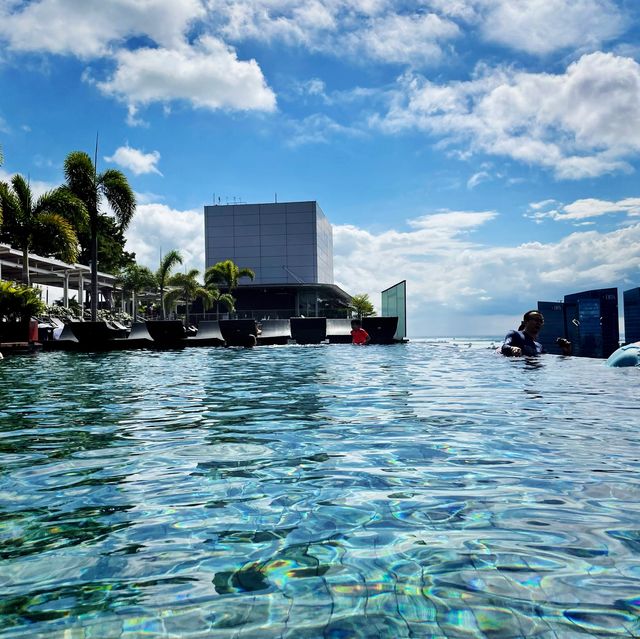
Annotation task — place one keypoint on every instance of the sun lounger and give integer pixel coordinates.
(67, 335)
(380, 329)
(167, 332)
(339, 331)
(120, 330)
(308, 330)
(275, 331)
(239, 332)
(94, 334)
(208, 334)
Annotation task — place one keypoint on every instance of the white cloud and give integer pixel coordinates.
(477, 178)
(63, 27)
(207, 74)
(544, 26)
(363, 30)
(158, 228)
(583, 123)
(451, 279)
(136, 161)
(316, 129)
(411, 39)
(539, 27)
(583, 209)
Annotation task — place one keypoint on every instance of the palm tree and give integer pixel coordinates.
(226, 273)
(185, 286)
(362, 305)
(42, 222)
(90, 187)
(163, 274)
(222, 298)
(136, 279)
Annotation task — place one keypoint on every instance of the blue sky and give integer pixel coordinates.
(485, 150)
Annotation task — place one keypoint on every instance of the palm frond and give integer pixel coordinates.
(22, 192)
(79, 174)
(62, 235)
(119, 194)
(167, 263)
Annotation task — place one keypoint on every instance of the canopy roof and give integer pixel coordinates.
(47, 271)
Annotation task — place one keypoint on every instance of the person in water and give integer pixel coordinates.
(524, 340)
(358, 334)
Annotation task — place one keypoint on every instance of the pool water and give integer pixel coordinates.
(417, 490)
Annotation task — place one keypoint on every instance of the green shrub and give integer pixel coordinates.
(19, 303)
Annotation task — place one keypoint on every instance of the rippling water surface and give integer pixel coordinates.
(419, 490)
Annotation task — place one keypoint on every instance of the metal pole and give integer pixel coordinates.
(65, 295)
(81, 294)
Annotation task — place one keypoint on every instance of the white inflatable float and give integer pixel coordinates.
(628, 355)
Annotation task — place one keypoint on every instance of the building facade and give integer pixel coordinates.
(283, 243)
(289, 246)
(591, 319)
(554, 326)
(631, 300)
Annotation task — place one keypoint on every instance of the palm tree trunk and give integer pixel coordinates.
(94, 266)
(186, 311)
(135, 307)
(164, 315)
(25, 265)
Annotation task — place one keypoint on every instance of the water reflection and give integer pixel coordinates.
(419, 490)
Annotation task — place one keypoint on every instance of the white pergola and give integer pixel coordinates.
(47, 271)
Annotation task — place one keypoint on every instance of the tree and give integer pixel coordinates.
(227, 274)
(362, 305)
(112, 258)
(185, 286)
(222, 298)
(90, 188)
(163, 274)
(136, 279)
(42, 223)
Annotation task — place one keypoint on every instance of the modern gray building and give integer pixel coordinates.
(287, 243)
(289, 246)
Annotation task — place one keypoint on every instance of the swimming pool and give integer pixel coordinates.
(418, 490)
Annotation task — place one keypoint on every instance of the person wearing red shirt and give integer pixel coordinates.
(358, 334)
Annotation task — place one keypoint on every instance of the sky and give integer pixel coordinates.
(487, 151)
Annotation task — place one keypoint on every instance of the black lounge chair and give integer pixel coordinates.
(339, 331)
(67, 335)
(381, 329)
(94, 335)
(308, 330)
(120, 329)
(239, 332)
(208, 334)
(66, 341)
(167, 333)
(139, 337)
(275, 332)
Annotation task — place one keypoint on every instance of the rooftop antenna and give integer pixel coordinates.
(276, 197)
